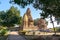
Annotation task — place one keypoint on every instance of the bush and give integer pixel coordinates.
(22, 32)
(3, 31)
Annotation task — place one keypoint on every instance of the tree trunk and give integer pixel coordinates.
(52, 24)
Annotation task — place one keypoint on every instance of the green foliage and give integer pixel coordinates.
(47, 6)
(22, 32)
(36, 21)
(2, 16)
(3, 31)
(10, 17)
(57, 29)
(22, 3)
(58, 20)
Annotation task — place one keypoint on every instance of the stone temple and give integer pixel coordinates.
(28, 22)
(42, 24)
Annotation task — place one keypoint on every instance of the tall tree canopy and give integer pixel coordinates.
(36, 21)
(10, 17)
(49, 7)
(22, 3)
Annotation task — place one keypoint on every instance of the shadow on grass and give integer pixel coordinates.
(15, 37)
(42, 37)
(3, 37)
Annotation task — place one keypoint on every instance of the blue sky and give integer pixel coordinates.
(5, 5)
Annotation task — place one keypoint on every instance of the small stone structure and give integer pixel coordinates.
(42, 24)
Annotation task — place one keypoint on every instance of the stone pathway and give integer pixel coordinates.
(15, 36)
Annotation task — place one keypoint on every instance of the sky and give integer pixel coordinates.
(5, 5)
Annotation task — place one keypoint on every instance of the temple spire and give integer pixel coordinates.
(28, 11)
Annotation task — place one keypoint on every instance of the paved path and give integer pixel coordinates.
(15, 36)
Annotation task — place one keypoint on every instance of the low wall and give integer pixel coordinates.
(41, 33)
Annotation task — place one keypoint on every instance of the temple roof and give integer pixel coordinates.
(28, 12)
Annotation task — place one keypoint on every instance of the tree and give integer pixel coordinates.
(36, 21)
(49, 7)
(58, 30)
(22, 3)
(2, 16)
(58, 20)
(11, 17)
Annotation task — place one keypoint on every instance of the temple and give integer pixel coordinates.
(28, 22)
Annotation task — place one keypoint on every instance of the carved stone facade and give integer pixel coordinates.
(42, 24)
(28, 23)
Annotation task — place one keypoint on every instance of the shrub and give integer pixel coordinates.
(22, 32)
(3, 31)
